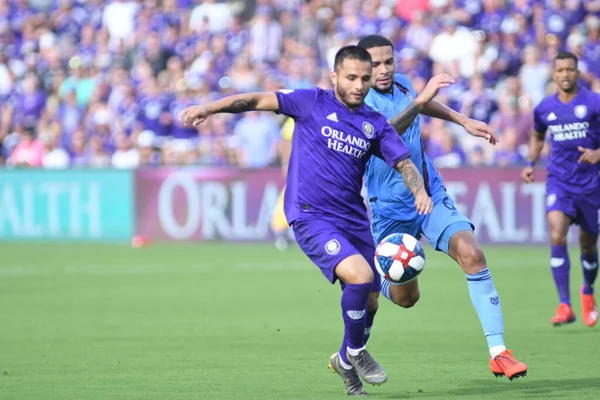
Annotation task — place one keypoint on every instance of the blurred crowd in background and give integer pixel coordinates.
(95, 83)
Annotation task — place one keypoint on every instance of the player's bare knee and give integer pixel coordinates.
(414, 298)
(406, 300)
(354, 270)
(359, 276)
(472, 260)
(373, 303)
(589, 247)
(558, 238)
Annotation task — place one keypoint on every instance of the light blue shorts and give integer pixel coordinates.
(438, 226)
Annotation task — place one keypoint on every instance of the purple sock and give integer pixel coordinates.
(590, 271)
(343, 354)
(560, 271)
(370, 318)
(354, 304)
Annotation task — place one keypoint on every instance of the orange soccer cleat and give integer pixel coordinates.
(589, 310)
(505, 364)
(564, 315)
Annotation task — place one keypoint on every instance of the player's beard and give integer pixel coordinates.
(569, 87)
(384, 89)
(347, 97)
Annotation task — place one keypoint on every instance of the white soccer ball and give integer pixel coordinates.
(399, 258)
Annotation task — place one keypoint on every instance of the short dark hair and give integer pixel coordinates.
(566, 55)
(371, 41)
(351, 53)
(29, 128)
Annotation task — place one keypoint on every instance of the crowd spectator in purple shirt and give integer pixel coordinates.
(102, 72)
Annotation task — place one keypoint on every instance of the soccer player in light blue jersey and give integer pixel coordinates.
(445, 227)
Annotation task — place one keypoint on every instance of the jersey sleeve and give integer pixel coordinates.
(298, 103)
(538, 123)
(390, 147)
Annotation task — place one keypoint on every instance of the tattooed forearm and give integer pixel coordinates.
(410, 175)
(240, 106)
(404, 118)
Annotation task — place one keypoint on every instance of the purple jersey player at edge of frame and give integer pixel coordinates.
(335, 134)
(572, 119)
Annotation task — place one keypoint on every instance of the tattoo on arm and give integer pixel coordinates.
(240, 106)
(410, 175)
(404, 118)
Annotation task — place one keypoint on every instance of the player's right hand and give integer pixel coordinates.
(423, 202)
(527, 175)
(194, 115)
(433, 87)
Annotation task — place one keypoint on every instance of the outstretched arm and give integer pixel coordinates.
(414, 182)
(260, 101)
(404, 118)
(436, 109)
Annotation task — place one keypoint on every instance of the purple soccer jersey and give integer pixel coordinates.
(327, 245)
(571, 187)
(151, 111)
(571, 125)
(178, 129)
(330, 149)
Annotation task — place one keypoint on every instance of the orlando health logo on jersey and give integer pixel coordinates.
(572, 130)
(570, 126)
(573, 121)
(346, 143)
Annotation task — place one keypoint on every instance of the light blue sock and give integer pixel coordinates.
(487, 304)
(385, 289)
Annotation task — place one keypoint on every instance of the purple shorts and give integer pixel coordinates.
(584, 209)
(327, 245)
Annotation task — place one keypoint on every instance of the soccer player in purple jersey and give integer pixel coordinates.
(572, 118)
(335, 134)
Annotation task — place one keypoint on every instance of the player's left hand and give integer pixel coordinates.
(423, 202)
(481, 129)
(590, 156)
(194, 115)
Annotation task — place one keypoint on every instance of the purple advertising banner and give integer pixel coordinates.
(234, 204)
(206, 203)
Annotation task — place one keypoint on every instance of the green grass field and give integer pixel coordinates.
(216, 321)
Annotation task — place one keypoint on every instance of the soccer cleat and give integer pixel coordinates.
(353, 384)
(589, 311)
(495, 368)
(367, 368)
(505, 364)
(564, 315)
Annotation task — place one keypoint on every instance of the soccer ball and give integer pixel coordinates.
(399, 258)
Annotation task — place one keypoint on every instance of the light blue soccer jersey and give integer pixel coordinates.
(393, 199)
